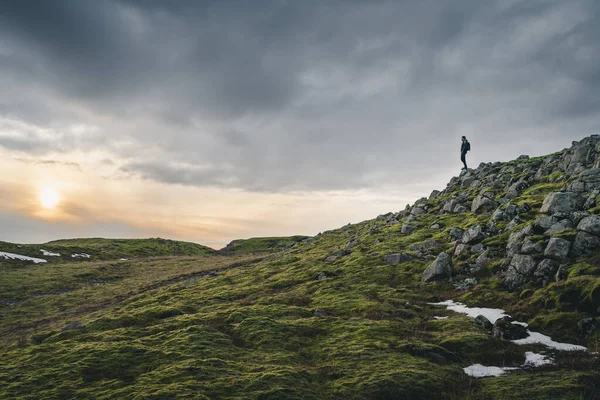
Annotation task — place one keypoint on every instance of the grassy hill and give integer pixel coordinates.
(262, 244)
(346, 315)
(106, 249)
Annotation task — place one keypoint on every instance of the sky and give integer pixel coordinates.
(216, 120)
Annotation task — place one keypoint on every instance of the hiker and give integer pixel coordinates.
(464, 147)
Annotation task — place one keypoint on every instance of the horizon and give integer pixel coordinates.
(229, 120)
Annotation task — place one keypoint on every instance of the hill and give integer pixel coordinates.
(104, 249)
(262, 244)
(367, 311)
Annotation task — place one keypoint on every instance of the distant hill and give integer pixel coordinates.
(262, 244)
(105, 249)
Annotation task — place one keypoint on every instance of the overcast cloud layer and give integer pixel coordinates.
(296, 96)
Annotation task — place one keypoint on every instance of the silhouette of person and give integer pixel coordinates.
(464, 148)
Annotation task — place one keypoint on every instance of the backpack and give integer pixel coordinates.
(468, 146)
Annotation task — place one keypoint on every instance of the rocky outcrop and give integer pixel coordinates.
(441, 268)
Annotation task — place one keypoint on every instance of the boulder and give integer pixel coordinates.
(587, 326)
(320, 313)
(461, 250)
(531, 247)
(73, 326)
(559, 227)
(483, 322)
(585, 243)
(474, 235)
(590, 224)
(478, 248)
(542, 224)
(557, 249)
(395, 259)
(499, 215)
(441, 268)
(407, 229)
(566, 202)
(504, 329)
(483, 204)
(520, 268)
(545, 271)
(456, 233)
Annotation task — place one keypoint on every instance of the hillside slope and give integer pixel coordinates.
(262, 244)
(105, 249)
(348, 313)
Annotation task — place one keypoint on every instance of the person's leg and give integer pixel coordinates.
(463, 159)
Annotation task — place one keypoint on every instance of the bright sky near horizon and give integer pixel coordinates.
(216, 120)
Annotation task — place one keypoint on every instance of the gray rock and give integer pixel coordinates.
(521, 267)
(578, 216)
(585, 243)
(395, 259)
(566, 202)
(73, 326)
(523, 157)
(590, 202)
(322, 276)
(530, 247)
(516, 221)
(542, 224)
(483, 322)
(456, 233)
(465, 284)
(478, 248)
(434, 194)
(557, 249)
(435, 226)
(474, 235)
(499, 215)
(504, 329)
(590, 224)
(483, 204)
(587, 326)
(320, 313)
(441, 268)
(461, 250)
(561, 273)
(546, 271)
(559, 227)
(460, 209)
(483, 260)
(407, 229)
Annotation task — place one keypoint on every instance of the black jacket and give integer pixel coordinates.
(465, 146)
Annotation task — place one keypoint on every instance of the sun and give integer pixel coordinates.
(49, 198)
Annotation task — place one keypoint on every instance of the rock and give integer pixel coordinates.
(531, 247)
(482, 204)
(441, 268)
(523, 157)
(322, 276)
(521, 267)
(474, 235)
(435, 226)
(377, 241)
(456, 233)
(407, 229)
(585, 243)
(559, 227)
(544, 223)
(483, 322)
(478, 248)
(546, 271)
(499, 215)
(557, 249)
(395, 259)
(73, 326)
(461, 250)
(460, 209)
(320, 313)
(434, 194)
(504, 329)
(578, 216)
(561, 273)
(353, 243)
(566, 202)
(590, 202)
(483, 260)
(587, 326)
(590, 224)
(465, 284)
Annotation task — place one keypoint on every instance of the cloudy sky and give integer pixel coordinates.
(215, 120)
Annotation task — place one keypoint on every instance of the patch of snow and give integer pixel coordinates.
(525, 324)
(536, 360)
(49, 253)
(494, 313)
(490, 313)
(123, 259)
(81, 255)
(536, 337)
(480, 371)
(440, 317)
(11, 256)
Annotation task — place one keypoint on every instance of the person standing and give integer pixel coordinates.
(464, 148)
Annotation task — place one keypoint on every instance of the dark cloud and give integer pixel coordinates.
(301, 95)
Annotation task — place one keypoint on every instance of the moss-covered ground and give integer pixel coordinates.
(288, 325)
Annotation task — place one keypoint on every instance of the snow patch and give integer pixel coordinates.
(490, 313)
(539, 338)
(11, 256)
(438, 318)
(49, 253)
(80, 255)
(536, 360)
(480, 371)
